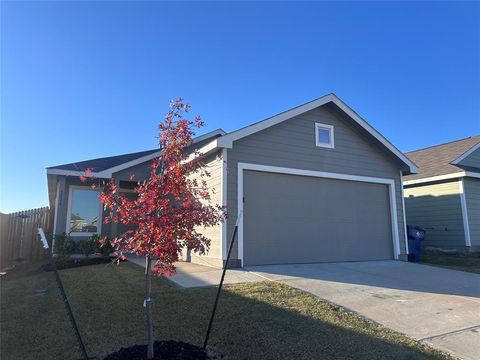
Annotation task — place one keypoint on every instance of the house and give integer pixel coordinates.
(444, 196)
(316, 183)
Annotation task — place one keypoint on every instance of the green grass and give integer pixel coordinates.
(255, 321)
(457, 261)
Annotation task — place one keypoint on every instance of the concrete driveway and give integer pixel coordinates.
(435, 305)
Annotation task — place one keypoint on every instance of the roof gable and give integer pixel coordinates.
(104, 167)
(228, 139)
(103, 163)
(443, 159)
(470, 157)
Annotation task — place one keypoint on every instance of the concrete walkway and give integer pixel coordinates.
(438, 306)
(190, 275)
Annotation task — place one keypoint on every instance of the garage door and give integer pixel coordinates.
(300, 219)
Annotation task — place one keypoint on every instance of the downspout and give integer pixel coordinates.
(463, 202)
(407, 251)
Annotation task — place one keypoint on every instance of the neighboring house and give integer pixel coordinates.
(444, 196)
(315, 183)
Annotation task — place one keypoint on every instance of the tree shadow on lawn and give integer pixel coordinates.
(254, 321)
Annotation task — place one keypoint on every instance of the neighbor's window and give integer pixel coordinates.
(324, 135)
(84, 211)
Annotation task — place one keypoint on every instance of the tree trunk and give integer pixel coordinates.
(148, 305)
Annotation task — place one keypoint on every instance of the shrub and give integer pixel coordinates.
(103, 245)
(62, 261)
(64, 245)
(87, 246)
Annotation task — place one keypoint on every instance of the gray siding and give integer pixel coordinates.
(292, 144)
(119, 228)
(472, 198)
(472, 160)
(61, 203)
(214, 167)
(437, 208)
(141, 172)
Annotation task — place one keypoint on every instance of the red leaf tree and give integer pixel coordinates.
(171, 207)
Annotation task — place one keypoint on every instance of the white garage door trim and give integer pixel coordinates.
(319, 174)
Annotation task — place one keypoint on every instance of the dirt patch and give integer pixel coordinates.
(165, 350)
(73, 263)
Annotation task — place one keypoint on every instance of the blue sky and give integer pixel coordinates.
(81, 80)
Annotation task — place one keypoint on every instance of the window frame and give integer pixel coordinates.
(331, 131)
(69, 212)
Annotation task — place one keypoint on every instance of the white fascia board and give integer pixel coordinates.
(72, 173)
(314, 173)
(472, 174)
(228, 139)
(437, 178)
(466, 154)
(204, 150)
(109, 172)
(216, 132)
(372, 131)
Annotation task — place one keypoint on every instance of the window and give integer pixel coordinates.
(324, 136)
(84, 211)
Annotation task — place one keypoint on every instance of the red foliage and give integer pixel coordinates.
(171, 206)
(88, 173)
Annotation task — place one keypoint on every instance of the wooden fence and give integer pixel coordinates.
(18, 235)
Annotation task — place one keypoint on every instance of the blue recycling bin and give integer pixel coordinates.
(415, 237)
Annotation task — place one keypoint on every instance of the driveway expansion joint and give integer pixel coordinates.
(451, 333)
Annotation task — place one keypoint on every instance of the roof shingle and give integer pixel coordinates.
(436, 160)
(104, 163)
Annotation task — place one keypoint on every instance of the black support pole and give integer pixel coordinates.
(235, 230)
(69, 309)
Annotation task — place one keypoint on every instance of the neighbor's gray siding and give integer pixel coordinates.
(472, 160)
(292, 144)
(472, 198)
(437, 208)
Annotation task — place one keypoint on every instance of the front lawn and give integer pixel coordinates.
(255, 321)
(457, 261)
